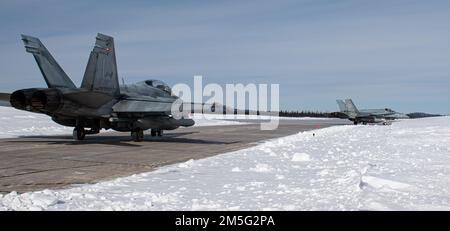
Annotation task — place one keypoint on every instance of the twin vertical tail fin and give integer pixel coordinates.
(53, 74)
(351, 106)
(347, 107)
(342, 106)
(101, 70)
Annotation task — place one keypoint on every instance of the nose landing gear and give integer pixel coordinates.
(156, 132)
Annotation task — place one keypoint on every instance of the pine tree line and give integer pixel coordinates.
(307, 114)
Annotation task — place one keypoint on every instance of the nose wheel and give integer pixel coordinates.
(79, 133)
(137, 135)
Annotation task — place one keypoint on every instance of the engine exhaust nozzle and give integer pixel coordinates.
(46, 100)
(21, 99)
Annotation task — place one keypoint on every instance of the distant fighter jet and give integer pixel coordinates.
(99, 103)
(365, 116)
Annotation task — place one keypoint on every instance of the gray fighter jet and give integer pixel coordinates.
(100, 102)
(365, 116)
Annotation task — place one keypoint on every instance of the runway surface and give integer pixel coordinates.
(41, 162)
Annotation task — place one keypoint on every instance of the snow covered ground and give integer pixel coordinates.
(405, 166)
(15, 123)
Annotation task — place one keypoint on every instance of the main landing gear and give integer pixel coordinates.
(137, 135)
(79, 133)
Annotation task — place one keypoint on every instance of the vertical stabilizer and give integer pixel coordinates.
(342, 106)
(53, 74)
(351, 106)
(101, 70)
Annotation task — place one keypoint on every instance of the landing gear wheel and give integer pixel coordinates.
(156, 132)
(79, 133)
(355, 122)
(137, 135)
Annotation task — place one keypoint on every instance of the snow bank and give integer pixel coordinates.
(400, 167)
(15, 123)
(299, 157)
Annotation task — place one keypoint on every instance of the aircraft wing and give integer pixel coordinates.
(366, 117)
(154, 106)
(4, 99)
(142, 106)
(157, 107)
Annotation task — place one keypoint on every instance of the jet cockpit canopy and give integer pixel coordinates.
(159, 84)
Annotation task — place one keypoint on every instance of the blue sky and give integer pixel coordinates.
(380, 53)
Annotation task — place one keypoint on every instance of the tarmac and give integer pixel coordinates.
(34, 163)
